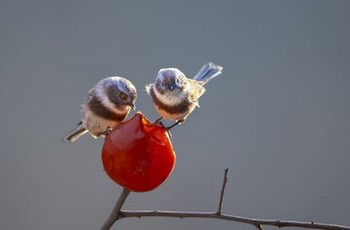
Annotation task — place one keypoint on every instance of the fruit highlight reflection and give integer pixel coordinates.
(138, 154)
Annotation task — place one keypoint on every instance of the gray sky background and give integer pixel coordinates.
(278, 116)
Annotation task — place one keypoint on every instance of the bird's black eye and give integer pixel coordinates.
(177, 81)
(123, 96)
(162, 83)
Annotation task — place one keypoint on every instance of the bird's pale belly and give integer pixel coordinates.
(173, 116)
(97, 125)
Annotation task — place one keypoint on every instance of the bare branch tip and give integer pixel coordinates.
(221, 200)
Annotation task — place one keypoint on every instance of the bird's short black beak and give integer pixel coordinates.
(132, 105)
(173, 86)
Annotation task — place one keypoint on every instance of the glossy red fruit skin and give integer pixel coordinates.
(138, 154)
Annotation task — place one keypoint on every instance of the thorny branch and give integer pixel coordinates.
(118, 214)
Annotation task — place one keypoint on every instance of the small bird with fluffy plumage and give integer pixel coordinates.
(108, 104)
(175, 96)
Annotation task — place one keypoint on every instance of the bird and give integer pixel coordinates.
(175, 96)
(107, 105)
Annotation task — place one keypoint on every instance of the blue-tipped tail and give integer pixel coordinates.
(208, 72)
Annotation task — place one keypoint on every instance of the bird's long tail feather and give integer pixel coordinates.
(75, 134)
(208, 72)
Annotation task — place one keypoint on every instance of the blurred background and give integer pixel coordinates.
(278, 116)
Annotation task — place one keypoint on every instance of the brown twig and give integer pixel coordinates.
(221, 200)
(115, 214)
(258, 223)
(118, 214)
